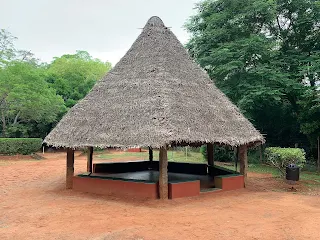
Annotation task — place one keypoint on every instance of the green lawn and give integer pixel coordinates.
(175, 156)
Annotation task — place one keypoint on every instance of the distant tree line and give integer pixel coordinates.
(265, 56)
(35, 95)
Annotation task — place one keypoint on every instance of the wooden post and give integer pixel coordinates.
(260, 153)
(243, 162)
(150, 154)
(70, 168)
(210, 154)
(318, 162)
(163, 173)
(89, 159)
(236, 158)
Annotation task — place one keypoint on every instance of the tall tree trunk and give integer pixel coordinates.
(318, 154)
(16, 118)
(4, 126)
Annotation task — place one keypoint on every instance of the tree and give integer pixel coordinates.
(25, 96)
(7, 50)
(74, 75)
(260, 53)
(9, 53)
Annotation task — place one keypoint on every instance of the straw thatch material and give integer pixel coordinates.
(155, 95)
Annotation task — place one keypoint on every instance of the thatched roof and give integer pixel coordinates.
(155, 95)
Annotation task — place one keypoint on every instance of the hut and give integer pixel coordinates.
(156, 96)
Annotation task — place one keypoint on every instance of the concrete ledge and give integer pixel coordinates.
(229, 182)
(184, 189)
(118, 187)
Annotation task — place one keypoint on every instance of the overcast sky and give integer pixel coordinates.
(104, 28)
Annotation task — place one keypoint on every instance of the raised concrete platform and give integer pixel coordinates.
(140, 179)
(152, 176)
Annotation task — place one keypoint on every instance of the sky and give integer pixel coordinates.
(104, 28)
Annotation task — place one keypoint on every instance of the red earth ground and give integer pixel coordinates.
(35, 205)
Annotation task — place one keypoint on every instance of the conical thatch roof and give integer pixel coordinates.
(155, 95)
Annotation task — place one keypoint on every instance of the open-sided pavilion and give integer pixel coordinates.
(155, 97)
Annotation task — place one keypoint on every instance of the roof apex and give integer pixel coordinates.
(155, 21)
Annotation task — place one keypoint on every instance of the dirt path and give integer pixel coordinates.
(35, 205)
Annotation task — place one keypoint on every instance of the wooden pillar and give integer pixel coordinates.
(89, 159)
(243, 158)
(163, 173)
(150, 154)
(236, 158)
(70, 168)
(210, 154)
(261, 153)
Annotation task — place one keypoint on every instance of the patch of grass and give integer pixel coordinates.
(123, 155)
(310, 176)
(261, 168)
(174, 156)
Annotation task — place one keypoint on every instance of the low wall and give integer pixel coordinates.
(118, 187)
(135, 166)
(229, 182)
(217, 171)
(121, 167)
(184, 189)
(189, 168)
(134, 150)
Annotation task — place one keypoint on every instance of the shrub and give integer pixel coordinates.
(24, 146)
(221, 153)
(282, 157)
(203, 151)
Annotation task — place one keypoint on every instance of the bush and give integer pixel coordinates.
(282, 157)
(221, 153)
(24, 146)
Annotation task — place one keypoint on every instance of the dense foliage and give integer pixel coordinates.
(265, 55)
(19, 145)
(74, 75)
(34, 96)
(221, 153)
(282, 157)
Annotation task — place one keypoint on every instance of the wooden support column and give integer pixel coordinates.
(236, 158)
(243, 158)
(70, 168)
(163, 173)
(150, 154)
(89, 159)
(210, 154)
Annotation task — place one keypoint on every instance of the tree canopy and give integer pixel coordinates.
(74, 75)
(33, 95)
(265, 56)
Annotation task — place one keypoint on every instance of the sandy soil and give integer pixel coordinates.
(35, 205)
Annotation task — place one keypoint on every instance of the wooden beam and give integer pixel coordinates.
(210, 154)
(243, 158)
(150, 154)
(70, 168)
(163, 173)
(89, 159)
